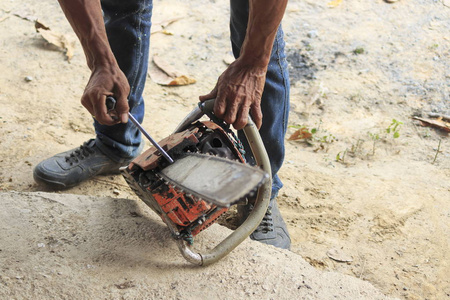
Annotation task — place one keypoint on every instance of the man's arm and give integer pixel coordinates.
(85, 17)
(239, 88)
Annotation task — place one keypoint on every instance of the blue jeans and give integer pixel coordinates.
(128, 28)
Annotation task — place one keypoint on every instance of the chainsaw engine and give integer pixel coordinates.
(186, 213)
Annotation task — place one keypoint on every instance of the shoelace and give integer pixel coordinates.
(79, 154)
(266, 224)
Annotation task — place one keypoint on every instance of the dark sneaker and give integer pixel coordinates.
(272, 230)
(70, 168)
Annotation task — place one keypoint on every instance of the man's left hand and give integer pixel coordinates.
(238, 92)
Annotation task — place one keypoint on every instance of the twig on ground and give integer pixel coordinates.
(437, 151)
(435, 115)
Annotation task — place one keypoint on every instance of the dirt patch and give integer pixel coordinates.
(58, 246)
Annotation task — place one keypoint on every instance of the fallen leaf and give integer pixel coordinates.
(441, 116)
(339, 255)
(38, 25)
(60, 41)
(4, 18)
(165, 66)
(334, 3)
(182, 80)
(436, 123)
(166, 32)
(301, 134)
(69, 47)
(163, 73)
(229, 59)
(52, 38)
(161, 26)
(25, 15)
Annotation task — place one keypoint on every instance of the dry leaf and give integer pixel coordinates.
(436, 123)
(69, 46)
(39, 25)
(301, 134)
(182, 80)
(166, 32)
(229, 59)
(4, 18)
(52, 38)
(339, 255)
(334, 3)
(160, 26)
(25, 15)
(60, 41)
(446, 118)
(165, 66)
(163, 73)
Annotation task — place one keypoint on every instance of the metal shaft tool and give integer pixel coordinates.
(111, 105)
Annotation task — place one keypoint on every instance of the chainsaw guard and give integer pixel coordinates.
(261, 203)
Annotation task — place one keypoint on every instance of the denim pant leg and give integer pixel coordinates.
(128, 28)
(275, 98)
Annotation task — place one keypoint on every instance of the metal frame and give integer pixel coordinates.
(262, 199)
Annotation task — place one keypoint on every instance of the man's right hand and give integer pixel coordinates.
(106, 81)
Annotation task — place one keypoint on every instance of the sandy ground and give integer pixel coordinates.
(80, 247)
(381, 203)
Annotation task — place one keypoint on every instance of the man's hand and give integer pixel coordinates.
(238, 91)
(85, 17)
(107, 81)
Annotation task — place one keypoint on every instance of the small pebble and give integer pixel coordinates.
(312, 34)
(28, 78)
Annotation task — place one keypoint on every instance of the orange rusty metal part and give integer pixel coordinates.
(181, 209)
(210, 220)
(150, 158)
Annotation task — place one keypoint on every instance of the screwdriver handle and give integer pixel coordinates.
(110, 103)
(111, 106)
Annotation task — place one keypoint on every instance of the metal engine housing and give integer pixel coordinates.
(186, 214)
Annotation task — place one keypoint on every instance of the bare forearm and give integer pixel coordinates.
(106, 78)
(85, 17)
(264, 18)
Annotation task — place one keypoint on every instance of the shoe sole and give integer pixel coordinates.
(61, 186)
(51, 183)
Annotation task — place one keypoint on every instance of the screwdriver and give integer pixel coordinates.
(111, 105)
